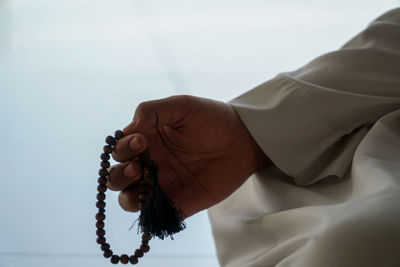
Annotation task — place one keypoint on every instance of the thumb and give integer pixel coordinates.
(169, 111)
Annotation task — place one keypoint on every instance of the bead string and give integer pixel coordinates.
(101, 204)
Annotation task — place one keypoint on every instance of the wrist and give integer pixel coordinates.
(255, 156)
(261, 158)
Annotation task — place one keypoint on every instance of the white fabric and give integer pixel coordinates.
(332, 130)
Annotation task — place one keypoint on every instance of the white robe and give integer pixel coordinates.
(332, 130)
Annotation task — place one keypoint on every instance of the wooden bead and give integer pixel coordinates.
(107, 253)
(101, 240)
(101, 196)
(105, 164)
(146, 238)
(111, 140)
(124, 259)
(114, 259)
(118, 134)
(101, 188)
(100, 216)
(143, 197)
(103, 172)
(102, 180)
(100, 204)
(146, 172)
(138, 253)
(105, 156)
(107, 149)
(145, 248)
(99, 224)
(101, 232)
(105, 246)
(133, 259)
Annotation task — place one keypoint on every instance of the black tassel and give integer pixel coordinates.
(159, 216)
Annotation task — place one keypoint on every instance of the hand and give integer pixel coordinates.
(201, 147)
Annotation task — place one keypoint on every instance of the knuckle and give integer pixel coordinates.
(181, 99)
(147, 109)
(144, 106)
(185, 98)
(186, 102)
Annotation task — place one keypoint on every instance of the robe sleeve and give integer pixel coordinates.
(309, 122)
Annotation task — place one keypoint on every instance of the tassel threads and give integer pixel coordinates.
(159, 216)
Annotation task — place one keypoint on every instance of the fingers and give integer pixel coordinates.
(170, 112)
(130, 198)
(129, 147)
(123, 175)
(158, 113)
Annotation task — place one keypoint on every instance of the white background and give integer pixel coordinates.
(71, 72)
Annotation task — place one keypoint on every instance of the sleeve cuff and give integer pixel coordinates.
(309, 132)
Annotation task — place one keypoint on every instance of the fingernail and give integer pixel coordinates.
(129, 171)
(135, 144)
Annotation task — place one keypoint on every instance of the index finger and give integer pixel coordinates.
(158, 113)
(129, 147)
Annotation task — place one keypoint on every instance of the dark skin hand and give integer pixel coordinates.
(201, 147)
